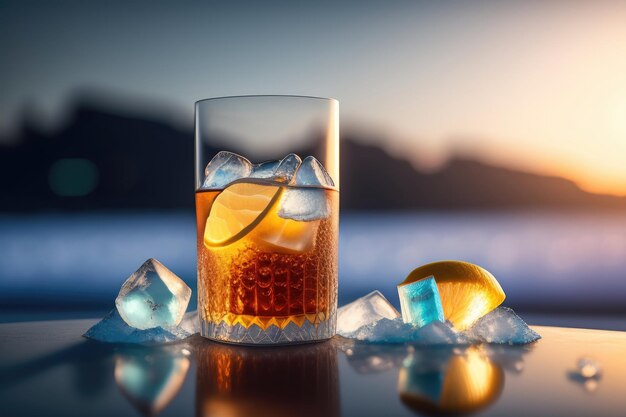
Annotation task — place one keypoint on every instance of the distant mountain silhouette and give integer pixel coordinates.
(145, 163)
(372, 179)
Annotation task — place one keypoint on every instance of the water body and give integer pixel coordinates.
(544, 260)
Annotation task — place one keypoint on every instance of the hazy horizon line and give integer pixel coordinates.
(175, 116)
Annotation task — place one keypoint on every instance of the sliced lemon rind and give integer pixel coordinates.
(237, 229)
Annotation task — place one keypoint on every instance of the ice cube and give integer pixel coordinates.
(286, 169)
(420, 303)
(153, 296)
(312, 172)
(113, 329)
(190, 322)
(304, 204)
(224, 168)
(588, 368)
(588, 373)
(264, 170)
(502, 326)
(366, 310)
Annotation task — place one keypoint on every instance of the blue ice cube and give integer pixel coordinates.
(153, 296)
(420, 302)
(502, 326)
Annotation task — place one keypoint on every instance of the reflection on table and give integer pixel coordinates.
(150, 377)
(441, 380)
(278, 381)
(47, 369)
(449, 381)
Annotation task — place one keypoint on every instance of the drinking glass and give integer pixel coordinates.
(267, 206)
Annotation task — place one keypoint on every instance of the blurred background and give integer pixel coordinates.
(491, 132)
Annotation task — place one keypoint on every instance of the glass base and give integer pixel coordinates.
(273, 335)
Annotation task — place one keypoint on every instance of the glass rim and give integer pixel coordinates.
(330, 99)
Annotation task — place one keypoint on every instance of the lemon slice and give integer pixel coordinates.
(237, 210)
(467, 291)
(251, 210)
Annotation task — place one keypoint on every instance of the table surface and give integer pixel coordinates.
(47, 368)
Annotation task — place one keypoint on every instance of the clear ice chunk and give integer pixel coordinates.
(502, 326)
(153, 296)
(420, 302)
(588, 373)
(588, 368)
(113, 329)
(190, 322)
(286, 169)
(224, 168)
(439, 333)
(304, 204)
(373, 319)
(312, 172)
(382, 331)
(396, 331)
(366, 310)
(264, 170)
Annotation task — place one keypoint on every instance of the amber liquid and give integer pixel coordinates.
(250, 282)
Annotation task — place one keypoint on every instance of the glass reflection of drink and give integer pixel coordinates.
(281, 381)
(267, 268)
(443, 381)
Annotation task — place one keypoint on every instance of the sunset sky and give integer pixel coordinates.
(539, 86)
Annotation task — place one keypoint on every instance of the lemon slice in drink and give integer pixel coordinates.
(251, 210)
(285, 235)
(237, 210)
(467, 291)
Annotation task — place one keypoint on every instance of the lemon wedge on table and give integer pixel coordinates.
(251, 209)
(467, 291)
